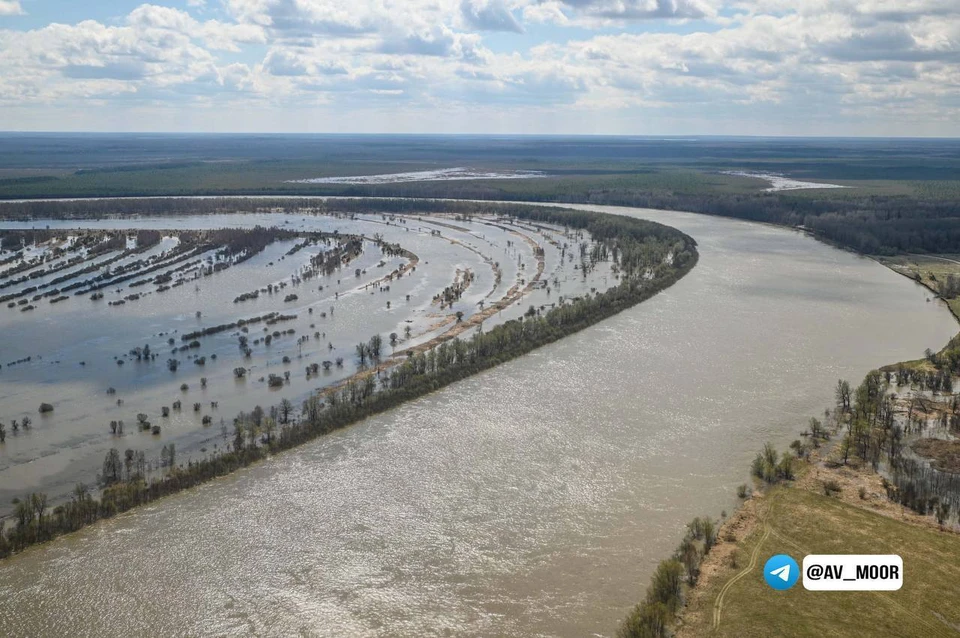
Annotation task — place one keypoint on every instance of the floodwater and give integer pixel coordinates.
(532, 500)
(74, 346)
(781, 183)
(442, 174)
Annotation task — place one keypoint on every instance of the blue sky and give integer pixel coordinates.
(655, 67)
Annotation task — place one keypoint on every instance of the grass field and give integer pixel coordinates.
(798, 522)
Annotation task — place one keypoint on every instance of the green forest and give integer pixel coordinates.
(873, 219)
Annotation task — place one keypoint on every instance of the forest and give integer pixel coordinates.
(867, 222)
(901, 195)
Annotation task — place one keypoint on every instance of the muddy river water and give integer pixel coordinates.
(531, 500)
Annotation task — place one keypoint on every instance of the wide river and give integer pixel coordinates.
(531, 500)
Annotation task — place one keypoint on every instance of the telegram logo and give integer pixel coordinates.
(781, 572)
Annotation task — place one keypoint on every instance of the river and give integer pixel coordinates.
(532, 500)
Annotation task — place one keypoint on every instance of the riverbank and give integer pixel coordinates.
(838, 504)
(825, 473)
(920, 268)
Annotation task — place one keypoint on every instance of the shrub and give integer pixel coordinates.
(831, 487)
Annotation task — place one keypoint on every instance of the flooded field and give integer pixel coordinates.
(442, 174)
(782, 183)
(530, 500)
(132, 330)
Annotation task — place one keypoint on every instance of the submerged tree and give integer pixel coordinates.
(112, 468)
(375, 346)
(843, 395)
(286, 408)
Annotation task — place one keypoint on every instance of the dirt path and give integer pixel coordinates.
(513, 295)
(754, 556)
(754, 559)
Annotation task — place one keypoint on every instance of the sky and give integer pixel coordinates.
(626, 67)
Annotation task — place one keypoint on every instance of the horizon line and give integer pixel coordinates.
(664, 136)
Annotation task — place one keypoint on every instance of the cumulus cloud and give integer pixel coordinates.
(546, 11)
(284, 62)
(840, 55)
(120, 70)
(489, 15)
(216, 35)
(643, 9)
(307, 17)
(11, 8)
(154, 48)
(439, 41)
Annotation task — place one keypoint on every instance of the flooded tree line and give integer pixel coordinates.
(648, 257)
(880, 423)
(232, 247)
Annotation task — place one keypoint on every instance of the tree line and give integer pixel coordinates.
(652, 617)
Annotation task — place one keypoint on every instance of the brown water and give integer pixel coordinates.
(532, 500)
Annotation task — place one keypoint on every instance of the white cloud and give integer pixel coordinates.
(11, 8)
(548, 11)
(812, 59)
(291, 63)
(489, 15)
(307, 17)
(644, 9)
